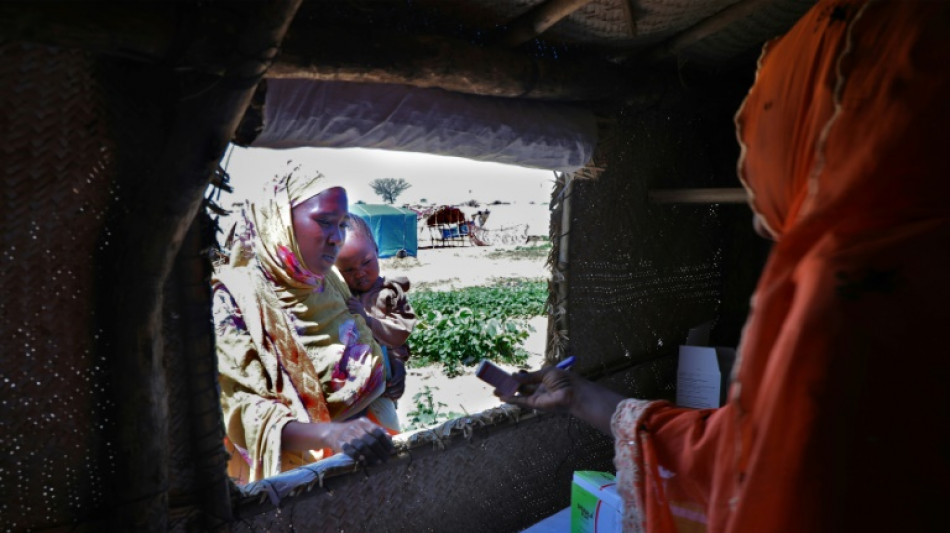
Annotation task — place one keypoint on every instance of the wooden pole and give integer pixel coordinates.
(703, 29)
(190, 284)
(162, 186)
(734, 195)
(148, 33)
(538, 19)
(428, 61)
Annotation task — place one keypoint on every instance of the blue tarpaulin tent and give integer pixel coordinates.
(394, 228)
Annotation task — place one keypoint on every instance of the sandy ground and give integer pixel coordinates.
(465, 394)
(448, 268)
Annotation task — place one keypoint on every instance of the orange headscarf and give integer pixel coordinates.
(839, 414)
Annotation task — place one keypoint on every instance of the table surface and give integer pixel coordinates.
(559, 522)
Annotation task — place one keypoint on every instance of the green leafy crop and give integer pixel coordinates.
(528, 253)
(428, 412)
(460, 328)
(514, 298)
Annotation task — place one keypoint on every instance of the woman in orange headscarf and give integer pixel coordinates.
(837, 418)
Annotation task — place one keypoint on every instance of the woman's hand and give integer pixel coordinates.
(361, 439)
(548, 389)
(559, 391)
(396, 385)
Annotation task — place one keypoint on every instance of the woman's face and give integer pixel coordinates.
(320, 228)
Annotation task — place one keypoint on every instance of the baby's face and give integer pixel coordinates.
(358, 263)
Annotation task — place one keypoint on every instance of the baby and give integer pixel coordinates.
(381, 302)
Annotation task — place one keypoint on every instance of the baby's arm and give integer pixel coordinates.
(392, 318)
(355, 307)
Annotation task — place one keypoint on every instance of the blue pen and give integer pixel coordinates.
(566, 364)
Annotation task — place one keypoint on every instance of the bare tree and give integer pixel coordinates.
(389, 188)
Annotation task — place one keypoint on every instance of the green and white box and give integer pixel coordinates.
(595, 504)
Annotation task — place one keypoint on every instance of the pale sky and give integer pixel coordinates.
(438, 179)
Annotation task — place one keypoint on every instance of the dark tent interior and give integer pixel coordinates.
(115, 120)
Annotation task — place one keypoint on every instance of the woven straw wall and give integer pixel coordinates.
(502, 478)
(58, 167)
(198, 496)
(111, 414)
(742, 36)
(641, 274)
(62, 308)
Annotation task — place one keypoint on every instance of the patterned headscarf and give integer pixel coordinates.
(268, 230)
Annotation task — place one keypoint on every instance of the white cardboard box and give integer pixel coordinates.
(702, 376)
(595, 504)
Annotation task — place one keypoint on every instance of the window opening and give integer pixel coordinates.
(479, 276)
